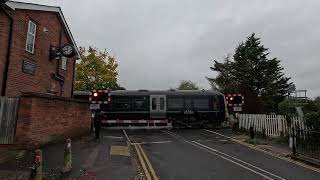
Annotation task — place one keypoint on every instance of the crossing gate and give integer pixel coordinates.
(8, 117)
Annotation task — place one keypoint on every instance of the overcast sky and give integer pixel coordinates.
(157, 43)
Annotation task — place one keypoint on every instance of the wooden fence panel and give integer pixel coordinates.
(8, 115)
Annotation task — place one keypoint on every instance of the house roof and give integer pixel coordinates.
(37, 7)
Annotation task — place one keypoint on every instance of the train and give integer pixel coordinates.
(176, 108)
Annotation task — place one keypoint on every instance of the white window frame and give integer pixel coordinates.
(64, 62)
(31, 34)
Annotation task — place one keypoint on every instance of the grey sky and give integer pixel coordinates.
(157, 43)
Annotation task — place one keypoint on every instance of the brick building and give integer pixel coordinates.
(30, 61)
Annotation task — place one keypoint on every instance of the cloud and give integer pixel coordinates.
(159, 43)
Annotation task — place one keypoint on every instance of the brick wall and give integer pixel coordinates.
(4, 32)
(43, 118)
(41, 81)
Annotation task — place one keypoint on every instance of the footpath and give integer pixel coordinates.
(91, 159)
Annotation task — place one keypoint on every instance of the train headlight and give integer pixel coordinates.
(95, 94)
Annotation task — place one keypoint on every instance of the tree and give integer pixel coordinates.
(187, 85)
(254, 74)
(224, 82)
(96, 70)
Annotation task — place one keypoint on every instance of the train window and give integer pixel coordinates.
(140, 104)
(201, 103)
(188, 103)
(161, 103)
(175, 103)
(216, 103)
(121, 104)
(154, 103)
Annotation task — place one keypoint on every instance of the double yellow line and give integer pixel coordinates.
(146, 165)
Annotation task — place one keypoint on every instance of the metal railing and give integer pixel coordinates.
(307, 143)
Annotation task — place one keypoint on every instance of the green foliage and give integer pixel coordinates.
(96, 70)
(253, 74)
(187, 85)
(286, 107)
(313, 120)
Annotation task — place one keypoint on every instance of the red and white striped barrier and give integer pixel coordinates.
(133, 121)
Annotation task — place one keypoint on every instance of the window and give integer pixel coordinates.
(140, 104)
(175, 103)
(64, 63)
(121, 104)
(216, 103)
(161, 103)
(188, 103)
(31, 37)
(201, 103)
(154, 103)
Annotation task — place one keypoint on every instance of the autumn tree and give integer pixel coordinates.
(96, 70)
(187, 85)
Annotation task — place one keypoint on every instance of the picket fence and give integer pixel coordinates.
(273, 125)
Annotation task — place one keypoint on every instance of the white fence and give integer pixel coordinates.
(273, 125)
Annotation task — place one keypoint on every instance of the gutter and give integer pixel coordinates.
(6, 69)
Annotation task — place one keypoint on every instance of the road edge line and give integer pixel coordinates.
(239, 160)
(257, 148)
(230, 160)
(146, 172)
(153, 173)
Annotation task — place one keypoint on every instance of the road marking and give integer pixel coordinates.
(91, 159)
(148, 163)
(172, 134)
(234, 162)
(144, 167)
(113, 137)
(154, 142)
(128, 139)
(229, 158)
(239, 160)
(267, 152)
(119, 150)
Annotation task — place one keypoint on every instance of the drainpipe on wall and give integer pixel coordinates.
(6, 68)
(56, 75)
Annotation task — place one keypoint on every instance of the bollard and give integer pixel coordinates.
(251, 132)
(67, 162)
(36, 170)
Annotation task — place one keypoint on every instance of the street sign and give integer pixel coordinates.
(94, 106)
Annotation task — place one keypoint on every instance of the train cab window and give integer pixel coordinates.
(175, 103)
(161, 103)
(216, 103)
(154, 103)
(201, 103)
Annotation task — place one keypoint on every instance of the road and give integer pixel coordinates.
(201, 154)
(186, 154)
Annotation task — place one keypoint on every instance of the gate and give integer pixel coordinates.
(8, 115)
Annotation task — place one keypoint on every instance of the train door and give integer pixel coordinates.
(158, 106)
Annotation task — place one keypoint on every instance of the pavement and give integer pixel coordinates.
(106, 158)
(185, 154)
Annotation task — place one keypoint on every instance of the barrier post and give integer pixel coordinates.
(36, 169)
(67, 162)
